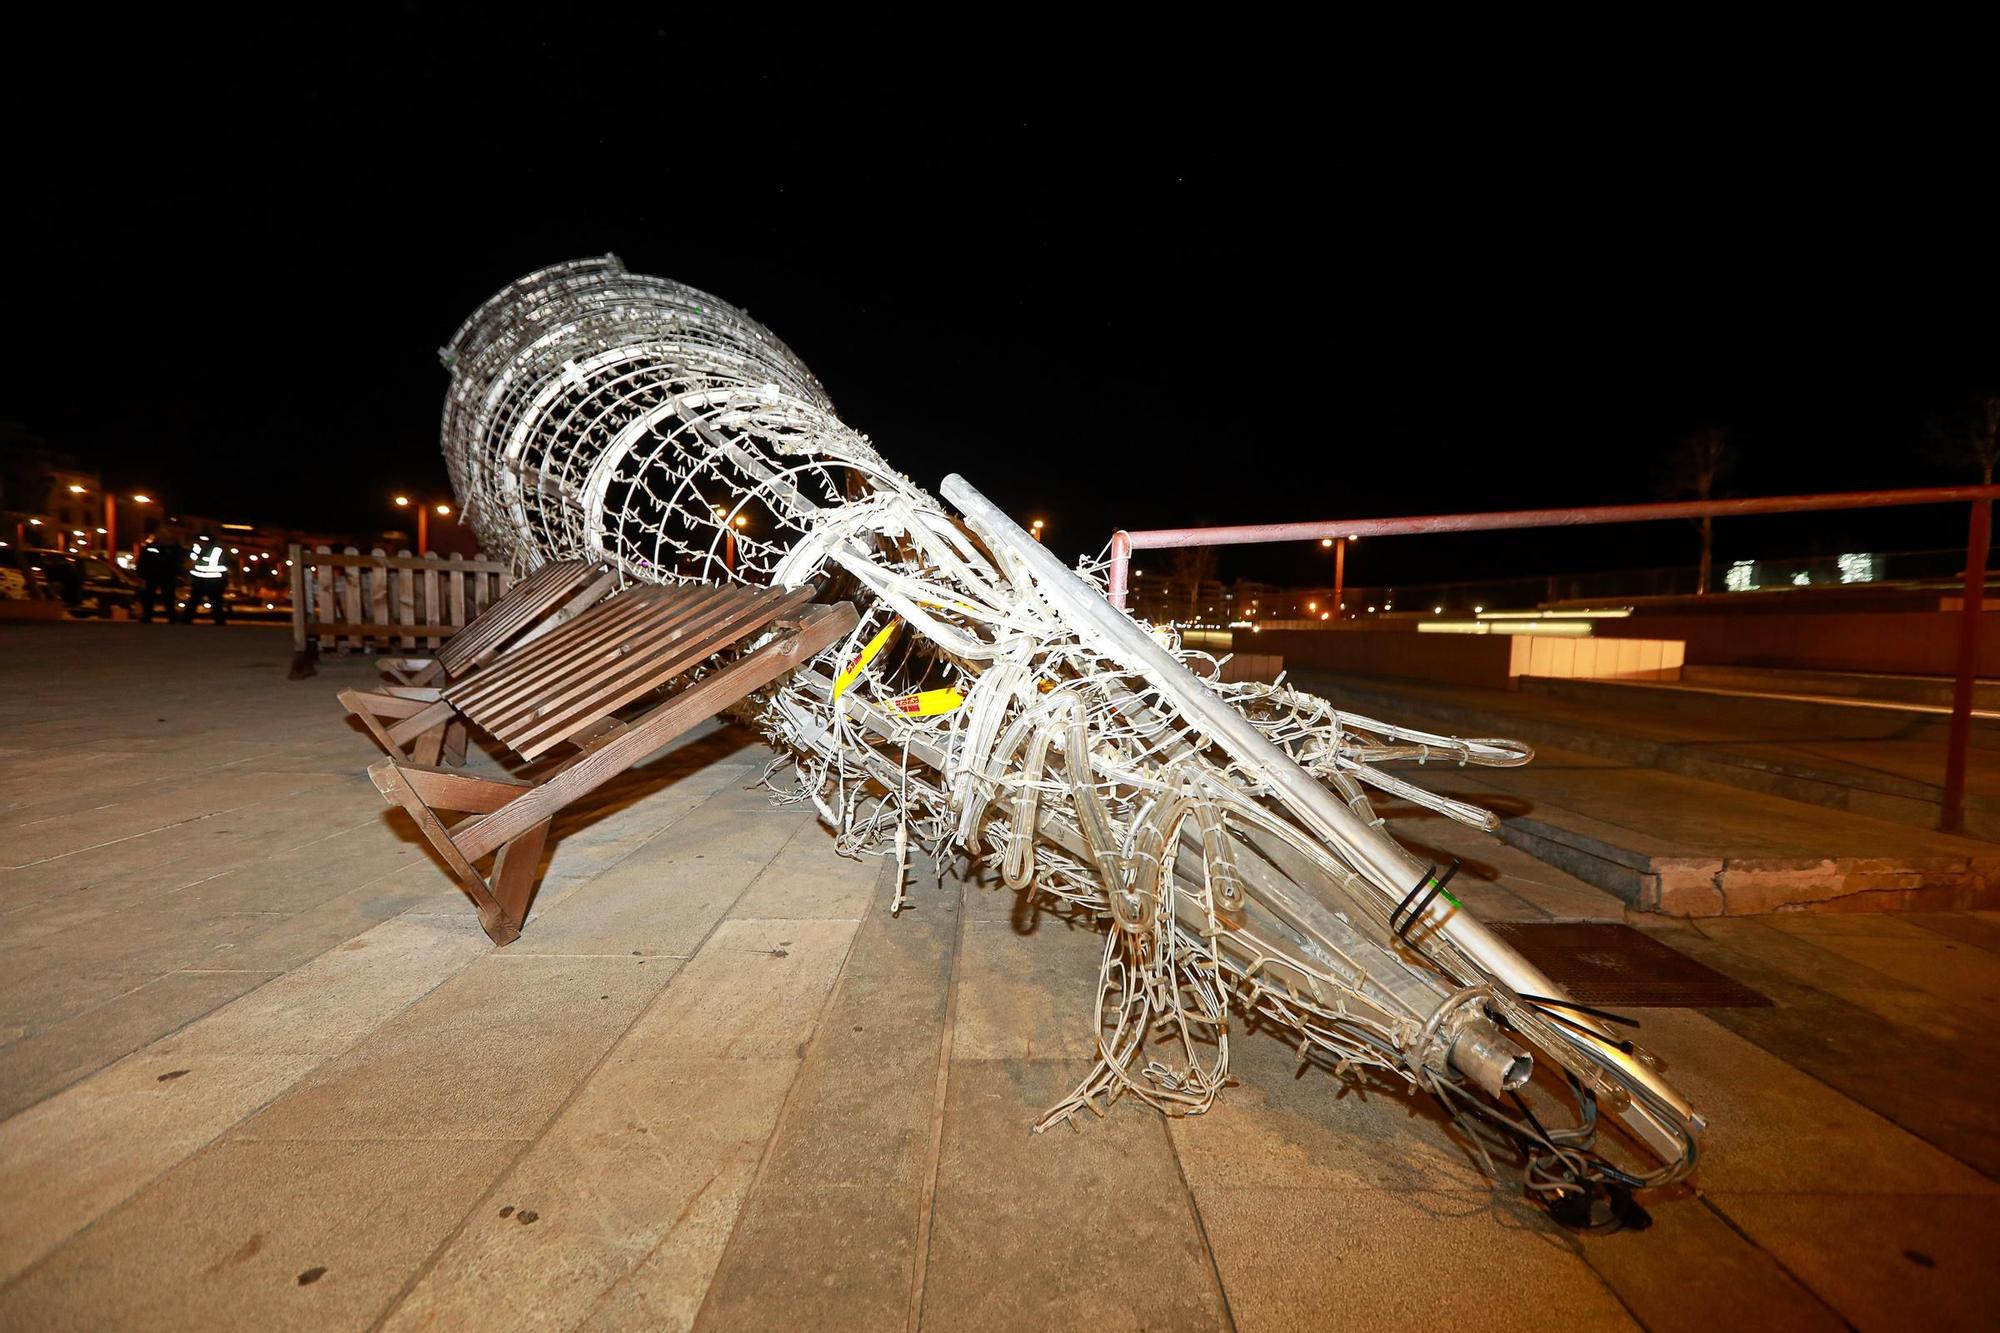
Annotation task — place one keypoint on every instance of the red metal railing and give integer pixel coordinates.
(1978, 540)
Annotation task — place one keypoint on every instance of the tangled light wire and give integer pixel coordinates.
(989, 703)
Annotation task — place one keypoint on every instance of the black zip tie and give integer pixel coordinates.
(1429, 881)
(1533, 1119)
(1605, 1014)
(1624, 1046)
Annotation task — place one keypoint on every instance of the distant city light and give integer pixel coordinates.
(142, 499)
(1857, 568)
(444, 509)
(75, 489)
(1801, 579)
(1326, 541)
(402, 500)
(1740, 576)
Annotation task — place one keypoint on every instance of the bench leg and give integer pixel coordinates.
(360, 703)
(515, 874)
(454, 742)
(429, 747)
(515, 870)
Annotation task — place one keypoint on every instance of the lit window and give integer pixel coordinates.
(1857, 568)
(1740, 576)
(1801, 579)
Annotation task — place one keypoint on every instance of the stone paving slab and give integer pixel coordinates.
(832, 1232)
(35, 1067)
(1693, 1271)
(1887, 1261)
(1088, 1226)
(716, 1083)
(95, 1144)
(1399, 1260)
(261, 1235)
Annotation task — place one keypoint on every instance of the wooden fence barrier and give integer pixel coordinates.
(349, 602)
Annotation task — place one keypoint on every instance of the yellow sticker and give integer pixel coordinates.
(863, 658)
(926, 703)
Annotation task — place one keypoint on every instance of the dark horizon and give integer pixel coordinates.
(1114, 286)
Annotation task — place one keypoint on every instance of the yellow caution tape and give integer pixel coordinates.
(926, 703)
(862, 659)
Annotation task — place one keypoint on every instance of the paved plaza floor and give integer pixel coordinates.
(259, 1068)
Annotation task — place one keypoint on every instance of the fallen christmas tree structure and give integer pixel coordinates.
(990, 704)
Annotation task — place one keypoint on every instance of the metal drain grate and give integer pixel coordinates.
(1603, 963)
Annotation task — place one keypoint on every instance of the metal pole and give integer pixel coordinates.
(423, 528)
(1547, 518)
(1339, 575)
(1957, 741)
(1121, 567)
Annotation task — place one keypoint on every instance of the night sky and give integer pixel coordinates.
(1140, 275)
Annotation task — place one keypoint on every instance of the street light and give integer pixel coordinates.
(424, 511)
(111, 517)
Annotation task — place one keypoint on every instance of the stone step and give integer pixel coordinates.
(1619, 812)
(1881, 776)
(1933, 690)
(1826, 715)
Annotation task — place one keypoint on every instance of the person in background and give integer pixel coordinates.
(159, 570)
(208, 576)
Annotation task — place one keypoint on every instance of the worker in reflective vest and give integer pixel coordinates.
(209, 574)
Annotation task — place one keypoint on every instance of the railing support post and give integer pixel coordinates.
(1960, 736)
(1121, 567)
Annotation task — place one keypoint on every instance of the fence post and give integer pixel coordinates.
(1957, 741)
(1121, 568)
(298, 576)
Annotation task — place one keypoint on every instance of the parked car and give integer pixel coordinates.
(20, 576)
(88, 585)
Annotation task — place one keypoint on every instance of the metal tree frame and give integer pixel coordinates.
(992, 704)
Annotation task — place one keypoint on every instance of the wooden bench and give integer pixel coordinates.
(403, 717)
(564, 689)
(546, 598)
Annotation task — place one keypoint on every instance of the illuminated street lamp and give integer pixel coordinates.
(730, 527)
(424, 510)
(111, 518)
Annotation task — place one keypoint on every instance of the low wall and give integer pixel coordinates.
(1450, 659)
(1923, 643)
(1488, 661)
